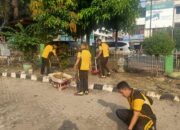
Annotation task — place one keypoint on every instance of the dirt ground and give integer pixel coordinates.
(161, 84)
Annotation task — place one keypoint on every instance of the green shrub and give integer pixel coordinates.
(159, 44)
(64, 61)
(22, 39)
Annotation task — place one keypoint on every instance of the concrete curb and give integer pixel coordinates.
(164, 96)
(103, 87)
(25, 76)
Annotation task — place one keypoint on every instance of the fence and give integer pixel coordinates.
(177, 61)
(141, 62)
(146, 63)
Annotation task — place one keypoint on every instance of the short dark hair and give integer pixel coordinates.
(122, 85)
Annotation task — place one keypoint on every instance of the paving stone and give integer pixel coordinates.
(38, 106)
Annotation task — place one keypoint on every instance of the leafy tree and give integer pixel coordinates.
(22, 39)
(174, 33)
(121, 15)
(53, 16)
(87, 18)
(88, 15)
(112, 14)
(159, 44)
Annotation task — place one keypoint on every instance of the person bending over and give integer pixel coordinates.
(103, 56)
(48, 51)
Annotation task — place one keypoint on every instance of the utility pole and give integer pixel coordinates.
(150, 28)
(173, 24)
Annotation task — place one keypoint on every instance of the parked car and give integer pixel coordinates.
(121, 47)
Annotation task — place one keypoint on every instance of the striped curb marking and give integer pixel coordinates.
(109, 88)
(25, 76)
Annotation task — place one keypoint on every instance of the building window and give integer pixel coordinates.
(177, 25)
(178, 10)
(139, 29)
(142, 12)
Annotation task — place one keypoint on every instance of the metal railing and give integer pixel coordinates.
(141, 62)
(176, 61)
(147, 63)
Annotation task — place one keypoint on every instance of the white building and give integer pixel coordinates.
(177, 13)
(162, 14)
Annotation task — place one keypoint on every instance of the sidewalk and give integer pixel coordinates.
(38, 106)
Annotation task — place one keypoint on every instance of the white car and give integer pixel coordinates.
(121, 47)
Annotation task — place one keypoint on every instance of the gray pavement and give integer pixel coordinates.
(33, 105)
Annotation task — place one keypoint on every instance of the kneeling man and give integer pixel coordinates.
(140, 115)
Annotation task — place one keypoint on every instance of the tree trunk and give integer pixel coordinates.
(3, 24)
(4, 12)
(116, 40)
(116, 37)
(16, 10)
(88, 37)
(82, 38)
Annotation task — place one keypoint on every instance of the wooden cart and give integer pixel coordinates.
(61, 82)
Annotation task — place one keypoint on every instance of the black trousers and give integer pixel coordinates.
(77, 81)
(45, 64)
(126, 115)
(83, 77)
(104, 61)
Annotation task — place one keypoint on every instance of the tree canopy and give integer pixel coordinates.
(159, 44)
(111, 14)
(54, 16)
(74, 17)
(80, 17)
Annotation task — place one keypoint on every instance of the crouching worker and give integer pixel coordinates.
(140, 116)
(83, 64)
(48, 51)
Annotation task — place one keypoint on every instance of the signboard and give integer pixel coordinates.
(133, 38)
(162, 14)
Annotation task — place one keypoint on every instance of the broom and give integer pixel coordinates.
(95, 71)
